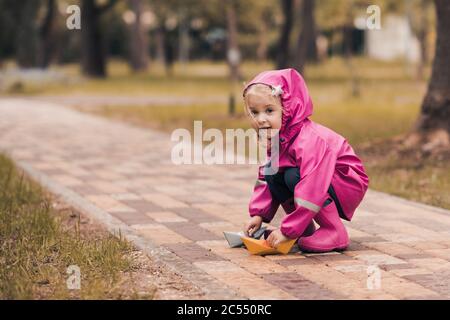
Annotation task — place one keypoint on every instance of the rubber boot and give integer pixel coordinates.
(289, 207)
(331, 235)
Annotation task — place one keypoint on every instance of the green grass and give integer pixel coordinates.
(427, 181)
(37, 246)
(199, 78)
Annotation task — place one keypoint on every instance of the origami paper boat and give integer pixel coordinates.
(235, 238)
(261, 247)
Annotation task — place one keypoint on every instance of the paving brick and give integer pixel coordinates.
(354, 232)
(142, 206)
(332, 280)
(332, 258)
(192, 252)
(107, 187)
(86, 190)
(299, 287)
(356, 246)
(109, 204)
(125, 196)
(379, 259)
(243, 281)
(394, 249)
(425, 245)
(108, 175)
(429, 224)
(408, 256)
(131, 218)
(259, 265)
(389, 267)
(438, 282)
(221, 248)
(440, 253)
(165, 216)
(297, 261)
(53, 171)
(160, 234)
(219, 227)
(433, 264)
(193, 199)
(410, 272)
(192, 231)
(412, 230)
(368, 239)
(218, 197)
(195, 215)
(67, 180)
(163, 200)
(404, 288)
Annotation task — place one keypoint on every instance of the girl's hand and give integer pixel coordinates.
(275, 238)
(252, 225)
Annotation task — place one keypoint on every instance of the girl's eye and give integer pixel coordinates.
(270, 110)
(253, 112)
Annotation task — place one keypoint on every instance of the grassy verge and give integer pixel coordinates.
(38, 242)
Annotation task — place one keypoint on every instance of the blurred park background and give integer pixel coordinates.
(165, 63)
(162, 64)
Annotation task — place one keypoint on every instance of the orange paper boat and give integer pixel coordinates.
(261, 247)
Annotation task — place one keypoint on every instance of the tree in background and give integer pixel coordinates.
(282, 58)
(27, 37)
(433, 126)
(265, 16)
(306, 44)
(93, 55)
(139, 55)
(233, 52)
(8, 17)
(47, 35)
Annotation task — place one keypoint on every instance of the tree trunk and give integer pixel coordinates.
(348, 58)
(183, 36)
(432, 129)
(435, 112)
(47, 36)
(283, 45)
(306, 45)
(27, 34)
(261, 51)
(232, 41)
(93, 61)
(170, 42)
(138, 40)
(422, 36)
(233, 53)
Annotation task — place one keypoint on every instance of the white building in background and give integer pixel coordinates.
(395, 40)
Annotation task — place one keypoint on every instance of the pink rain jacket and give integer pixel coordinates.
(323, 156)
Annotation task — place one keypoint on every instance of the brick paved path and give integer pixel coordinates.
(123, 177)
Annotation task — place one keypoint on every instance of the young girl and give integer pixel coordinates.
(319, 178)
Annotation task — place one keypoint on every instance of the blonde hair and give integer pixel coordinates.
(264, 89)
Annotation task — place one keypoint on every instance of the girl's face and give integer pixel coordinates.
(264, 109)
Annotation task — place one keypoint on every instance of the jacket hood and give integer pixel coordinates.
(295, 98)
